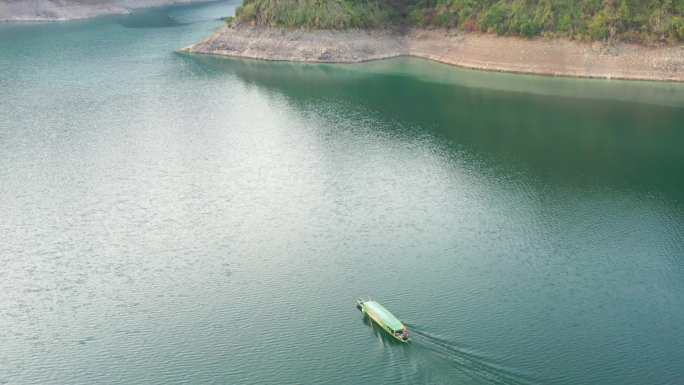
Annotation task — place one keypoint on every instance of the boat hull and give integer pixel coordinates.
(375, 318)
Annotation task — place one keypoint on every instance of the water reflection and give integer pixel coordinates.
(625, 136)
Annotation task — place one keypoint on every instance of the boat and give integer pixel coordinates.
(386, 320)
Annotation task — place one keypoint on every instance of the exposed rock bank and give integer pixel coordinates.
(351, 46)
(479, 51)
(57, 10)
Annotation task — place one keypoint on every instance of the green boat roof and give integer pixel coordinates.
(384, 315)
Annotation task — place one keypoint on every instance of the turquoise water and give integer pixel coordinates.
(166, 218)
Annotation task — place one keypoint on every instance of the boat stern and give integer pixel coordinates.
(402, 335)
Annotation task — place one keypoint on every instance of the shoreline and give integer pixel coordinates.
(558, 57)
(25, 11)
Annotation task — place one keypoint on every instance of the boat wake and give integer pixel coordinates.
(480, 369)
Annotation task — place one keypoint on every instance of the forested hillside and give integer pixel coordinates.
(632, 20)
(319, 14)
(648, 21)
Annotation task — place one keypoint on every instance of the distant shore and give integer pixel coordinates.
(63, 10)
(540, 56)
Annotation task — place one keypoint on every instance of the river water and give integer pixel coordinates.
(174, 219)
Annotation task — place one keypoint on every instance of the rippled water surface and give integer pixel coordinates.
(174, 219)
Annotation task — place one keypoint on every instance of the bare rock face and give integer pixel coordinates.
(471, 50)
(300, 45)
(54, 10)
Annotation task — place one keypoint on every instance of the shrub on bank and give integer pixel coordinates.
(648, 21)
(316, 14)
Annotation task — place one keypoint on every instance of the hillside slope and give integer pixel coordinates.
(644, 21)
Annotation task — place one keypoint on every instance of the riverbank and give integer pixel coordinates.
(557, 57)
(55, 10)
(318, 46)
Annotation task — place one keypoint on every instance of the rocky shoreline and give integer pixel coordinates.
(62, 10)
(320, 46)
(470, 50)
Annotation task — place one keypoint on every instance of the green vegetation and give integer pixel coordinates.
(628, 20)
(649, 21)
(317, 14)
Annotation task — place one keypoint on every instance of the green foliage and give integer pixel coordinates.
(648, 21)
(319, 14)
(598, 28)
(678, 28)
(632, 20)
(495, 19)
